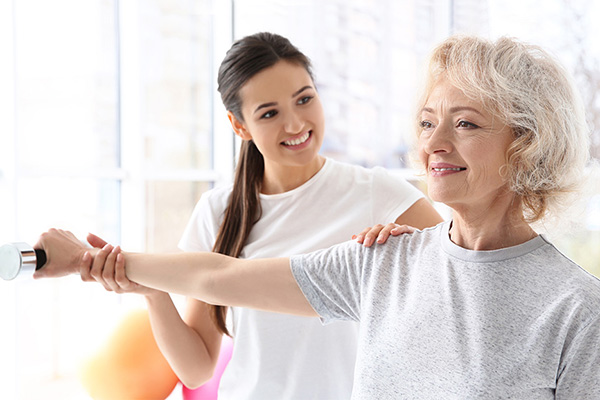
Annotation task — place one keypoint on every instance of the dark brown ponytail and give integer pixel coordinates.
(246, 58)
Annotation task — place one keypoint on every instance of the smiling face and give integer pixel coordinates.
(463, 148)
(283, 115)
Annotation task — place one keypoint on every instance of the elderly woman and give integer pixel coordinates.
(477, 307)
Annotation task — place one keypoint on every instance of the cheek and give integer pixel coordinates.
(317, 115)
(498, 159)
(486, 167)
(322, 120)
(259, 141)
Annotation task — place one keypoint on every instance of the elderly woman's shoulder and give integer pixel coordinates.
(431, 232)
(416, 241)
(572, 277)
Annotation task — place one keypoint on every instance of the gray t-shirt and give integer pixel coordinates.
(438, 321)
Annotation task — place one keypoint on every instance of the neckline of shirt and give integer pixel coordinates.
(487, 256)
(315, 178)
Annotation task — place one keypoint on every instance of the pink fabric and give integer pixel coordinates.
(209, 390)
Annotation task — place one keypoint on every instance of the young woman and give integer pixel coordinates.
(285, 199)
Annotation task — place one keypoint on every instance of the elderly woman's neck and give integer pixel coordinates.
(490, 232)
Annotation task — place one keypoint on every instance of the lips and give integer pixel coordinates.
(298, 139)
(439, 169)
(447, 169)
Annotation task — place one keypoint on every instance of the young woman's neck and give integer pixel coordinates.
(282, 178)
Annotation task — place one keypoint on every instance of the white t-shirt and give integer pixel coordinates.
(439, 321)
(278, 356)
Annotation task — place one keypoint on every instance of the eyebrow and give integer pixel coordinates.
(296, 93)
(454, 110)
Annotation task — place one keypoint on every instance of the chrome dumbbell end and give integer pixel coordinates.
(20, 259)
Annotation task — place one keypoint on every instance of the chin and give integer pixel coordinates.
(444, 198)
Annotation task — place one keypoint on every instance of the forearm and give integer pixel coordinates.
(264, 284)
(192, 357)
(188, 274)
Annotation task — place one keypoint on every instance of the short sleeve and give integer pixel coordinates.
(201, 230)
(579, 377)
(391, 195)
(331, 280)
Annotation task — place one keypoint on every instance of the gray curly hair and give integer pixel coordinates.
(530, 92)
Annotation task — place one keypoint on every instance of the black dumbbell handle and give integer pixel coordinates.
(40, 258)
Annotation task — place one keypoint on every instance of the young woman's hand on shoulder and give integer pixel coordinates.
(380, 233)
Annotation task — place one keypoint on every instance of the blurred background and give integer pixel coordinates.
(110, 123)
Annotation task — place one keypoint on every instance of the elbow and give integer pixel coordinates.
(212, 286)
(193, 384)
(206, 291)
(198, 379)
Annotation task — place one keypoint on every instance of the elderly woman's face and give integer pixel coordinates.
(463, 148)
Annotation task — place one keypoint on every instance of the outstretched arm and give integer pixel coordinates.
(264, 284)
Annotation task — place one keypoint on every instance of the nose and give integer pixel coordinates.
(437, 140)
(293, 122)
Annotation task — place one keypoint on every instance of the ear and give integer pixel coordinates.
(238, 127)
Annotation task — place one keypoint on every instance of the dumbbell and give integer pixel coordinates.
(19, 259)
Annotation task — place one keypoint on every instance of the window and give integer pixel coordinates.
(107, 127)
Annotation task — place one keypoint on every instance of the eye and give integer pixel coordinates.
(305, 99)
(269, 114)
(426, 125)
(466, 124)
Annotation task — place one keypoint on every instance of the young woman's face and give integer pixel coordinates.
(283, 115)
(463, 148)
